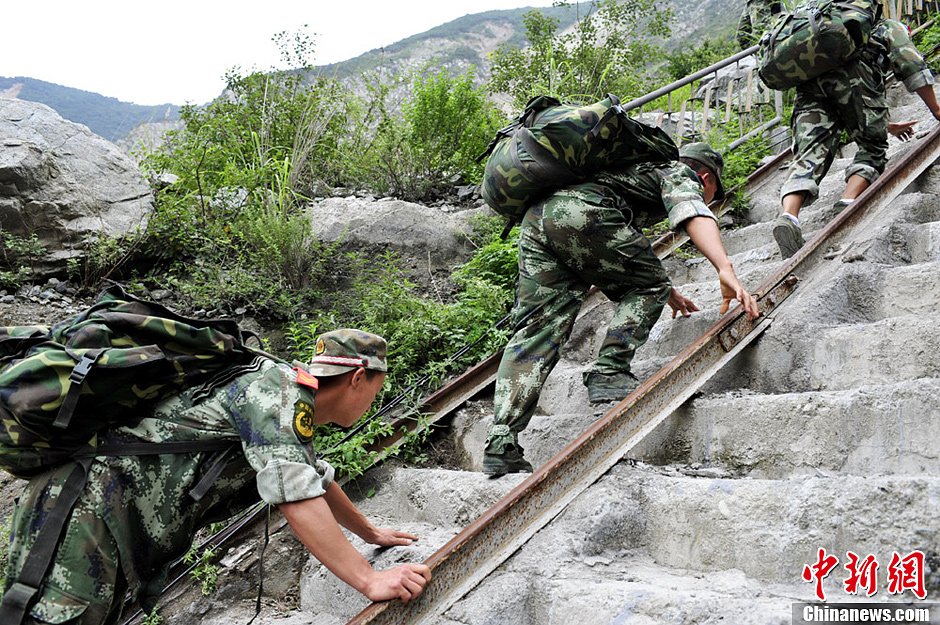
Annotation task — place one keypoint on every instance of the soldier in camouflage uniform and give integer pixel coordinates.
(755, 19)
(588, 234)
(850, 99)
(139, 513)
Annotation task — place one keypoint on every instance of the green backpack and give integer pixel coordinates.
(814, 39)
(552, 145)
(60, 386)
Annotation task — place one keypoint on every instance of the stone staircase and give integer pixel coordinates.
(822, 434)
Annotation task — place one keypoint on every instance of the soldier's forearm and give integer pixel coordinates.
(705, 235)
(347, 514)
(315, 526)
(929, 97)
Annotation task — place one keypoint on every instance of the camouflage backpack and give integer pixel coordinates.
(59, 386)
(816, 37)
(552, 145)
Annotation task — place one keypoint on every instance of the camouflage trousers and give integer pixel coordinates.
(565, 246)
(847, 100)
(85, 585)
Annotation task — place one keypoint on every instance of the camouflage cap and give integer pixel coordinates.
(705, 154)
(343, 350)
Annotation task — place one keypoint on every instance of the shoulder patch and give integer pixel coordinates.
(305, 378)
(303, 421)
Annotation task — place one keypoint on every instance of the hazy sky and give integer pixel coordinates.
(175, 51)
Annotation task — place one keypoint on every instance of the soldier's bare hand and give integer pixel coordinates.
(902, 130)
(391, 538)
(731, 289)
(403, 582)
(681, 304)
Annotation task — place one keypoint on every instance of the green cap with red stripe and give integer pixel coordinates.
(343, 350)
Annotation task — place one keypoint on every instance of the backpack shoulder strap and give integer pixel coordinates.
(20, 596)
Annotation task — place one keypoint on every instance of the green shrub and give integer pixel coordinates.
(445, 124)
(422, 335)
(495, 263)
(18, 256)
(608, 51)
(684, 63)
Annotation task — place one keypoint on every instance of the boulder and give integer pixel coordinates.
(63, 183)
(428, 239)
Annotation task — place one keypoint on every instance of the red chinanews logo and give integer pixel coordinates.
(903, 573)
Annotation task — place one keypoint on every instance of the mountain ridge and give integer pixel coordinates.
(107, 117)
(458, 45)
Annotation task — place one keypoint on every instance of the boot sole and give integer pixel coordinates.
(788, 241)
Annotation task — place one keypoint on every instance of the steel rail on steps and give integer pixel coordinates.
(488, 541)
(437, 406)
(451, 396)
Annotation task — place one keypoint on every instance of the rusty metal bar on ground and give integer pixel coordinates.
(451, 396)
(487, 542)
(440, 403)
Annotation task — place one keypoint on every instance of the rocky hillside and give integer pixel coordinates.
(458, 44)
(470, 39)
(106, 117)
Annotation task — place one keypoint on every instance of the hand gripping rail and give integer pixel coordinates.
(488, 541)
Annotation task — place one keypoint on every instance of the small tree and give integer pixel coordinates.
(444, 124)
(607, 52)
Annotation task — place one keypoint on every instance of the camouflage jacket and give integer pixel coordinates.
(755, 19)
(890, 48)
(648, 192)
(136, 513)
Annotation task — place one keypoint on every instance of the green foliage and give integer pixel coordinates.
(496, 262)
(739, 163)
(445, 123)
(231, 234)
(257, 252)
(242, 140)
(206, 572)
(103, 257)
(422, 337)
(684, 63)
(608, 51)
(927, 39)
(17, 257)
(153, 618)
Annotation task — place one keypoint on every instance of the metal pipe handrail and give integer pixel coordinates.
(638, 102)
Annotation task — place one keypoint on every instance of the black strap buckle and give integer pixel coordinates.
(76, 377)
(83, 367)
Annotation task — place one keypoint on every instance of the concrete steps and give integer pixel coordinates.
(864, 431)
(434, 504)
(651, 545)
(822, 434)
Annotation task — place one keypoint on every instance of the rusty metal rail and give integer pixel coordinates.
(487, 542)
